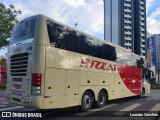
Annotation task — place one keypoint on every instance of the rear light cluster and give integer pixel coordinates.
(36, 84)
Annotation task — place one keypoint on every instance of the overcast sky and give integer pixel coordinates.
(87, 13)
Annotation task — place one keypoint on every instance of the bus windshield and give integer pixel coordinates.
(23, 30)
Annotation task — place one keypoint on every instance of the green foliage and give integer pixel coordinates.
(7, 22)
(2, 86)
(155, 86)
(3, 61)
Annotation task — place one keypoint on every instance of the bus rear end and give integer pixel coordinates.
(24, 81)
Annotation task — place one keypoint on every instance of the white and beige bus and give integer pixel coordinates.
(51, 65)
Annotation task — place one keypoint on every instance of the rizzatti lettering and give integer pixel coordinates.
(87, 63)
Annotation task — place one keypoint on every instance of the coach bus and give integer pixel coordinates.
(51, 65)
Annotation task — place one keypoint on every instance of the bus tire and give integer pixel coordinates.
(102, 98)
(86, 101)
(142, 93)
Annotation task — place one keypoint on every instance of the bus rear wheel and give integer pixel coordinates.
(86, 102)
(102, 98)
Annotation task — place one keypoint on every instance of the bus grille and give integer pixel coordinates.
(18, 64)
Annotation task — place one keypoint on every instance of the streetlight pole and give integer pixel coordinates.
(158, 72)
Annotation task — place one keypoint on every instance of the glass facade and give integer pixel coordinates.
(125, 24)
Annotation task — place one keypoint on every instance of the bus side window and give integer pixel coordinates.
(143, 73)
(62, 37)
(109, 52)
(50, 35)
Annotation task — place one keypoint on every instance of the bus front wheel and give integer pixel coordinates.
(86, 102)
(102, 98)
(142, 93)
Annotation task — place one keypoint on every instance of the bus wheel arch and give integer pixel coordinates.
(142, 92)
(102, 98)
(87, 100)
(143, 89)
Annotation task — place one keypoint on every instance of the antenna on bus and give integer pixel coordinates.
(76, 25)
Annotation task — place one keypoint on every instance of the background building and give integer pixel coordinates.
(153, 48)
(3, 76)
(125, 24)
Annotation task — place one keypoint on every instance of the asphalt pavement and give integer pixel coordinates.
(125, 109)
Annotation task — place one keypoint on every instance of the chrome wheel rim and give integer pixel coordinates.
(102, 98)
(87, 101)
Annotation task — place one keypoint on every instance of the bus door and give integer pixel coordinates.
(119, 90)
(54, 96)
(112, 86)
(72, 88)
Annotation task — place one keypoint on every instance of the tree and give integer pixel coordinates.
(7, 21)
(2, 61)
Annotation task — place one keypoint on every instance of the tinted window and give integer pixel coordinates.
(62, 37)
(65, 38)
(87, 46)
(23, 30)
(126, 57)
(109, 52)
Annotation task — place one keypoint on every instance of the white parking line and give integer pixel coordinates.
(2, 105)
(107, 106)
(95, 110)
(125, 110)
(156, 107)
(11, 108)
